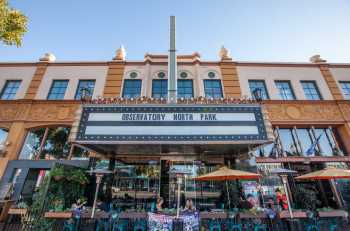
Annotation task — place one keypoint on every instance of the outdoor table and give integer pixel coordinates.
(17, 211)
(296, 214)
(333, 213)
(132, 215)
(213, 215)
(58, 215)
(245, 215)
(99, 214)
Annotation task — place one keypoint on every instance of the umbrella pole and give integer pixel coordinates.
(284, 181)
(178, 197)
(336, 193)
(228, 196)
(98, 181)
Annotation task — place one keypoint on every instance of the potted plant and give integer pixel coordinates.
(57, 173)
(78, 176)
(306, 197)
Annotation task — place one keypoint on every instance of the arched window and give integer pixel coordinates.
(48, 143)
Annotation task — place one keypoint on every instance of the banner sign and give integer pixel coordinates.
(157, 222)
(162, 222)
(171, 124)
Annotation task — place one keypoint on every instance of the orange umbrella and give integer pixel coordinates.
(224, 173)
(326, 174)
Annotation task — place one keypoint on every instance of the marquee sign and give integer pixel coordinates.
(171, 124)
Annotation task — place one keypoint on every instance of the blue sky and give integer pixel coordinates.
(253, 30)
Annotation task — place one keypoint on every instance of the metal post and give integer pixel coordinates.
(284, 181)
(98, 181)
(179, 181)
(336, 193)
(228, 195)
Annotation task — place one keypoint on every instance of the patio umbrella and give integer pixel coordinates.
(226, 174)
(328, 174)
(283, 173)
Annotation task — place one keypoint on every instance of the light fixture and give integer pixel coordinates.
(85, 94)
(257, 94)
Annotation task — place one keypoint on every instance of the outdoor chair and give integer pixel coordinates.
(214, 225)
(312, 225)
(233, 226)
(331, 224)
(69, 225)
(120, 225)
(260, 227)
(102, 224)
(140, 225)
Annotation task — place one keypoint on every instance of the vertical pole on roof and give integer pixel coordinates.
(172, 65)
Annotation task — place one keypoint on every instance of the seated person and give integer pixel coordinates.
(252, 200)
(269, 211)
(102, 205)
(189, 206)
(159, 205)
(281, 199)
(245, 204)
(78, 207)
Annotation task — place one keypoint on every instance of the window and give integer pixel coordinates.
(133, 75)
(211, 74)
(48, 143)
(304, 137)
(87, 85)
(345, 86)
(58, 89)
(326, 143)
(285, 90)
(185, 88)
(132, 88)
(310, 90)
(160, 88)
(183, 75)
(3, 135)
(10, 89)
(258, 84)
(161, 75)
(308, 141)
(288, 141)
(213, 89)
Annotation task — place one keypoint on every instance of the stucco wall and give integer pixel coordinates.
(17, 73)
(340, 74)
(73, 74)
(149, 72)
(294, 74)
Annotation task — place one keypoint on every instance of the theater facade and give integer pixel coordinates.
(117, 115)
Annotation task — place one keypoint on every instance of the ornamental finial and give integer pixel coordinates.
(48, 57)
(224, 54)
(120, 54)
(317, 59)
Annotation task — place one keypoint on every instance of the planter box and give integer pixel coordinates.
(17, 211)
(251, 215)
(62, 215)
(333, 213)
(296, 214)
